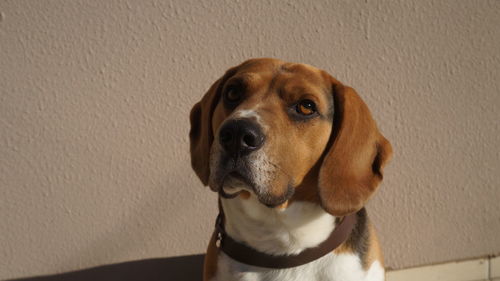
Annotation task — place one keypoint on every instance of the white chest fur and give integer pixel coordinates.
(287, 231)
(343, 267)
(277, 231)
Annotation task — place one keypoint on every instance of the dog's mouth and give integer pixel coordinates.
(236, 182)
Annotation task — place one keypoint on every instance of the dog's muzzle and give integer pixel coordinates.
(238, 138)
(240, 163)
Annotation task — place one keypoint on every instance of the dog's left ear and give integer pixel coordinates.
(201, 133)
(353, 165)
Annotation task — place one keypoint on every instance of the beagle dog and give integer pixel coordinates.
(292, 153)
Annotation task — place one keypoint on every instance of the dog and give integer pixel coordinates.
(294, 155)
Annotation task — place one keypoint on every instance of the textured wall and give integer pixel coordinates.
(95, 95)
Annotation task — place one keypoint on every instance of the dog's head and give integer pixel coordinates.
(274, 128)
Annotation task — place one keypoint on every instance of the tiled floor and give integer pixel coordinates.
(471, 270)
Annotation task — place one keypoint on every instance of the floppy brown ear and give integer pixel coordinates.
(352, 167)
(201, 133)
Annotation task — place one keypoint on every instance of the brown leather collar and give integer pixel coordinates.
(247, 255)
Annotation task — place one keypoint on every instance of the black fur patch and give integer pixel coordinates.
(359, 239)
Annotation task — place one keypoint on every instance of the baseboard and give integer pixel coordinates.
(470, 270)
(495, 268)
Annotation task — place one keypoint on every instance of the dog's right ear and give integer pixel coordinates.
(201, 134)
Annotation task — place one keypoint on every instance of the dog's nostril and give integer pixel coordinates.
(250, 140)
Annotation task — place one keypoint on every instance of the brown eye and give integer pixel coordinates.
(306, 107)
(232, 95)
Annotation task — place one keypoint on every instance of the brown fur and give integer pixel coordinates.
(353, 166)
(210, 262)
(374, 250)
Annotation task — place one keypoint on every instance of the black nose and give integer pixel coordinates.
(240, 136)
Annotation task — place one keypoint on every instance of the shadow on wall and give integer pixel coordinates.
(183, 268)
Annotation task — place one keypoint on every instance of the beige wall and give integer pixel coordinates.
(95, 95)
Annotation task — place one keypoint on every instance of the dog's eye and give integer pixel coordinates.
(306, 107)
(233, 95)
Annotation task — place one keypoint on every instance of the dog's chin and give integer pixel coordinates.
(234, 184)
(273, 201)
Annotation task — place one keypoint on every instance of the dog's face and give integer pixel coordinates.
(271, 125)
(266, 124)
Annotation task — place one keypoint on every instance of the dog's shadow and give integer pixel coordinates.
(183, 268)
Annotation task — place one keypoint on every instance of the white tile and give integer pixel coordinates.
(473, 270)
(495, 267)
